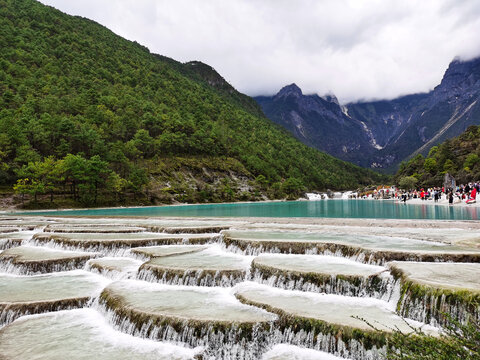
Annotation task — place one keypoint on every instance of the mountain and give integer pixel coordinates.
(459, 156)
(380, 134)
(314, 120)
(88, 115)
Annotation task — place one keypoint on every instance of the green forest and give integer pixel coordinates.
(460, 157)
(90, 118)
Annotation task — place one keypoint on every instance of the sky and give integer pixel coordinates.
(355, 49)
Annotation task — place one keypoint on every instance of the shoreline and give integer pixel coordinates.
(291, 222)
(442, 202)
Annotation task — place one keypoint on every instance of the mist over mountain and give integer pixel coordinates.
(381, 134)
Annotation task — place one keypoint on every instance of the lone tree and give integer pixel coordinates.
(407, 182)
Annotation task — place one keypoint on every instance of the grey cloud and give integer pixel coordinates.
(368, 49)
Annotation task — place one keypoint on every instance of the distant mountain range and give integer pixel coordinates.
(380, 134)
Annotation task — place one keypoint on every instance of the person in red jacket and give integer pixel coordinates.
(473, 196)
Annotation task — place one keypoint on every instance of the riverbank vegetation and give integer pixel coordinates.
(459, 341)
(89, 116)
(459, 157)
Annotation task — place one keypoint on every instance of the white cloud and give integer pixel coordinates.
(356, 49)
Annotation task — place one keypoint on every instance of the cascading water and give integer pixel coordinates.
(381, 288)
(350, 271)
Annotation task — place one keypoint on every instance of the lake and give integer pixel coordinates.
(323, 209)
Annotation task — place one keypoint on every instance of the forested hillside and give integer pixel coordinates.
(88, 115)
(459, 157)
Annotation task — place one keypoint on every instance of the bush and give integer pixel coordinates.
(407, 182)
(459, 341)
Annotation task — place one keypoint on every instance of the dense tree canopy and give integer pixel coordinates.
(100, 110)
(460, 157)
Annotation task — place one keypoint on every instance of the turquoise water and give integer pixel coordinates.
(324, 208)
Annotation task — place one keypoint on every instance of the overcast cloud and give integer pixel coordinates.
(356, 49)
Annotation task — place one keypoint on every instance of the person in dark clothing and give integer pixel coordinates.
(450, 198)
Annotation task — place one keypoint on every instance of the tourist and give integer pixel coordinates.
(450, 198)
(473, 196)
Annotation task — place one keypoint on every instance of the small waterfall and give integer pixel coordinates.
(111, 251)
(430, 308)
(235, 342)
(41, 267)
(193, 278)
(187, 230)
(110, 274)
(11, 312)
(115, 247)
(381, 287)
(253, 248)
(9, 243)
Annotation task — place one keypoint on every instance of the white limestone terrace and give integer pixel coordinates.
(168, 225)
(13, 239)
(195, 303)
(166, 250)
(29, 258)
(81, 334)
(344, 311)
(211, 266)
(378, 242)
(211, 258)
(146, 221)
(450, 276)
(27, 253)
(20, 295)
(454, 233)
(49, 287)
(112, 243)
(8, 229)
(321, 264)
(160, 310)
(121, 266)
(89, 228)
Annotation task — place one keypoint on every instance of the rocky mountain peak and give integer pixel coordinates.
(461, 77)
(289, 90)
(331, 98)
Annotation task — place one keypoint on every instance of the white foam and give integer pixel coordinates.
(291, 352)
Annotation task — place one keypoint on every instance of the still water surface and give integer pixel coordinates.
(324, 208)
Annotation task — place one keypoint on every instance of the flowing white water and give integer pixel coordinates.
(148, 252)
(334, 309)
(210, 266)
(39, 293)
(381, 248)
(145, 314)
(111, 244)
(80, 334)
(115, 268)
(214, 304)
(27, 259)
(445, 285)
(290, 352)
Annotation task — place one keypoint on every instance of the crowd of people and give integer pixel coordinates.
(462, 193)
